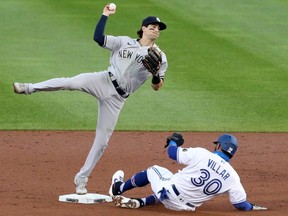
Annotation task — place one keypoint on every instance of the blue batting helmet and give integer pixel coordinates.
(228, 143)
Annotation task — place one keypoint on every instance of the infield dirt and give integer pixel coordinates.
(38, 166)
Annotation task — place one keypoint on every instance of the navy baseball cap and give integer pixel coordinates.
(154, 20)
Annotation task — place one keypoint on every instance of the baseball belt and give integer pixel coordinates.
(117, 87)
(181, 199)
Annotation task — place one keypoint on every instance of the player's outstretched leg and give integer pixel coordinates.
(117, 181)
(125, 202)
(21, 88)
(118, 186)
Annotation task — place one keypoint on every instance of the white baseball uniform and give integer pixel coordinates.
(205, 176)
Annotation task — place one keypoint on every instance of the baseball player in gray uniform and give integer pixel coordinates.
(205, 175)
(113, 86)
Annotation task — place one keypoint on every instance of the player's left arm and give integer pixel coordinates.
(158, 79)
(173, 142)
(172, 150)
(157, 83)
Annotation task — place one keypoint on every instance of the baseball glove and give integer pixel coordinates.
(177, 138)
(153, 60)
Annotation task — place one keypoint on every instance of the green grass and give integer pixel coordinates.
(228, 68)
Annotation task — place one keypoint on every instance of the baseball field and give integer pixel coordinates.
(228, 72)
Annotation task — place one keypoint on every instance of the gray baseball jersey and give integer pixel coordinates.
(126, 62)
(127, 68)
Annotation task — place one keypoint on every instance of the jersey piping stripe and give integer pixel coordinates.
(159, 174)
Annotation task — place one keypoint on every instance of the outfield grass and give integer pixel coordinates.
(228, 68)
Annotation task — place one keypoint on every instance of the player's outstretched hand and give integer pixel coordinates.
(107, 11)
(258, 208)
(176, 137)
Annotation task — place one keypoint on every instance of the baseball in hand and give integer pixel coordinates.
(112, 6)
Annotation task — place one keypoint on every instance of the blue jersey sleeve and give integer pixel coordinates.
(172, 150)
(244, 206)
(99, 36)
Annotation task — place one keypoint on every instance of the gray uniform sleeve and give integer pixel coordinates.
(112, 42)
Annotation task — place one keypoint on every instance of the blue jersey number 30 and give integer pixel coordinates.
(211, 186)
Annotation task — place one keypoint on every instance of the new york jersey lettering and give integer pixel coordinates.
(125, 54)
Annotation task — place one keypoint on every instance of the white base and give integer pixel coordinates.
(89, 198)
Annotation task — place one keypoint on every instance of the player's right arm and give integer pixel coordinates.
(237, 196)
(244, 206)
(99, 36)
(247, 206)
